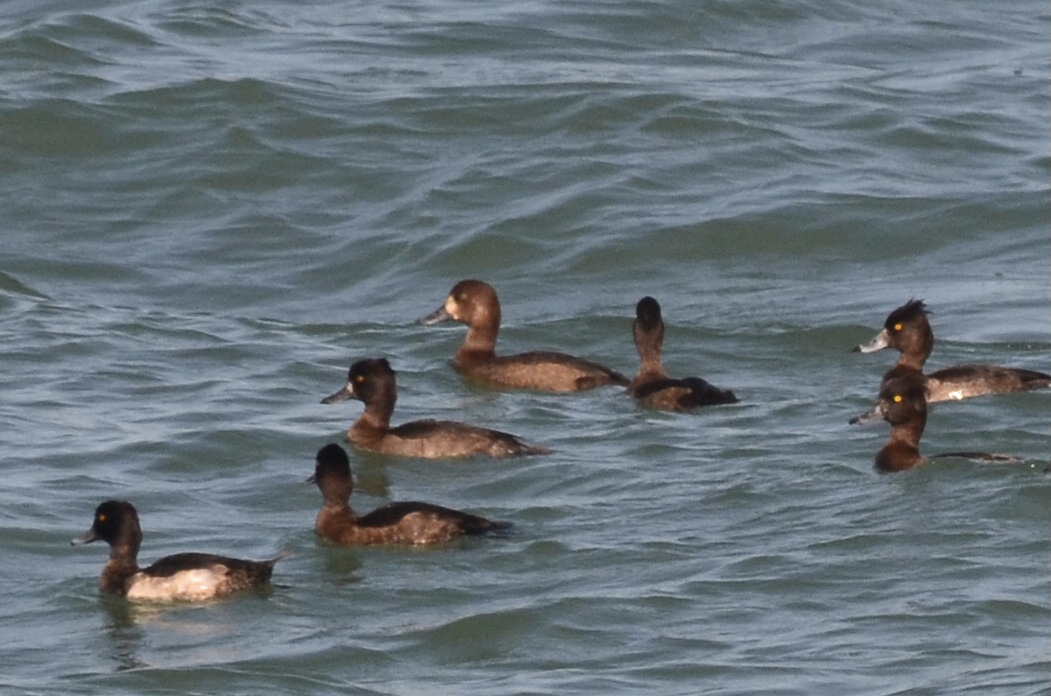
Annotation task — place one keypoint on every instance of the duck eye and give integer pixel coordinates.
(897, 398)
(102, 518)
(897, 327)
(359, 378)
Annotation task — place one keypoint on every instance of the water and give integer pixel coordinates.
(211, 209)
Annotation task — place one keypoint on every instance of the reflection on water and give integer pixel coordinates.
(341, 566)
(125, 635)
(138, 629)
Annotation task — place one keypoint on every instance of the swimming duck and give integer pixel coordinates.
(372, 382)
(475, 303)
(903, 403)
(397, 523)
(908, 330)
(651, 385)
(181, 577)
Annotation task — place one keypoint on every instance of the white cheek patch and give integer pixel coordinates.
(957, 395)
(187, 585)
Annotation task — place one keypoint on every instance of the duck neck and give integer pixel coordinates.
(902, 451)
(336, 509)
(375, 420)
(912, 361)
(910, 430)
(480, 340)
(648, 343)
(898, 456)
(121, 566)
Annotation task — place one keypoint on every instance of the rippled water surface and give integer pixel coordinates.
(211, 209)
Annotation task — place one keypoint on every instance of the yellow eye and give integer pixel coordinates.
(897, 398)
(897, 327)
(359, 379)
(102, 518)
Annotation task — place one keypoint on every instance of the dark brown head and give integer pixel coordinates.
(471, 302)
(117, 523)
(371, 381)
(913, 311)
(648, 328)
(904, 400)
(910, 317)
(332, 473)
(906, 330)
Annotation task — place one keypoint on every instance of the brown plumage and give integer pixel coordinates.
(903, 404)
(475, 303)
(908, 330)
(410, 523)
(652, 385)
(373, 382)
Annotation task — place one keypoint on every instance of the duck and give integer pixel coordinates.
(903, 403)
(474, 302)
(652, 386)
(405, 523)
(372, 381)
(908, 330)
(180, 577)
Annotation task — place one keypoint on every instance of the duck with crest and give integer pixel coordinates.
(908, 330)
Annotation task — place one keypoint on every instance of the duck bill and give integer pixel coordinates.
(343, 394)
(871, 416)
(881, 341)
(436, 317)
(86, 538)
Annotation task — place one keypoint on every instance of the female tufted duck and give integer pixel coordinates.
(474, 303)
(397, 523)
(651, 385)
(372, 382)
(182, 577)
(908, 330)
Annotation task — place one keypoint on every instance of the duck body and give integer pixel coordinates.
(680, 394)
(436, 439)
(969, 380)
(475, 303)
(372, 381)
(189, 577)
(546, 371)
(651, 385)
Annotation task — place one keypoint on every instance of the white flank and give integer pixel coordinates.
(187, 585)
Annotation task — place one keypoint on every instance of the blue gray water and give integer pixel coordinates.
(211, 209)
